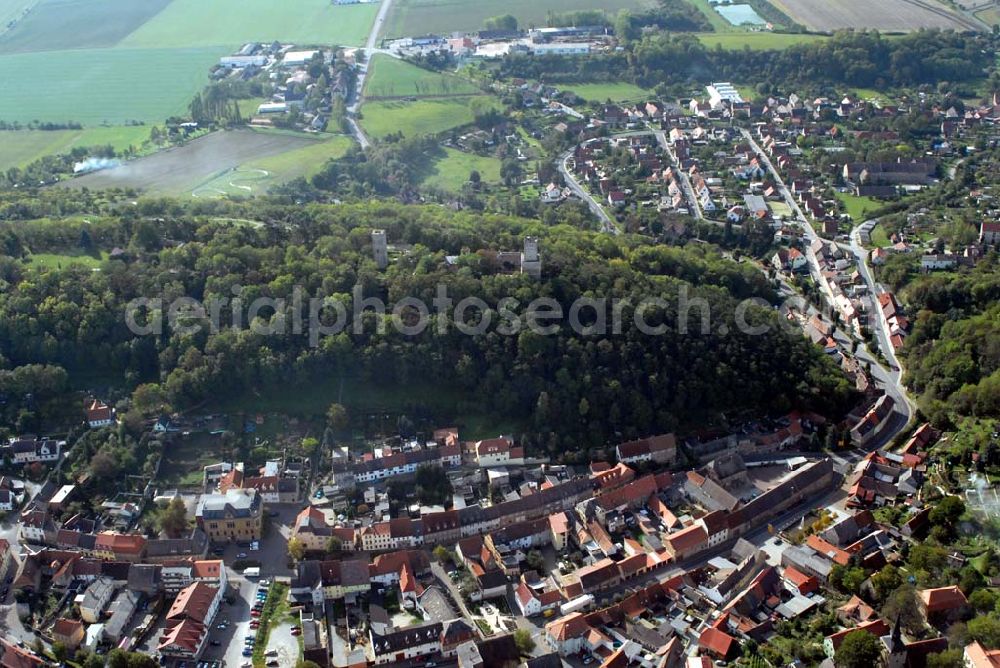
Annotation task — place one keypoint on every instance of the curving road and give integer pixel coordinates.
(888, 379)
(607, 223)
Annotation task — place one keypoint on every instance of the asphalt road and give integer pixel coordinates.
(888, 379)
(358, 95)
(607, 224)
(693, 205)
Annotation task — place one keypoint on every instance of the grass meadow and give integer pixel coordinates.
(858, 207)
(614, 91)
(98, 86)
(419, 17)
(256, 176)
(416, 118)
(20, 147)
(391, 77)
(187, 23)
(755, 41)
(451, 172)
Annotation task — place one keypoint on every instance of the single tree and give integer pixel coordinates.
(173, 519)
(859, 649)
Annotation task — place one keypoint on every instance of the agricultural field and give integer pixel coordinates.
(20, 147)
(415, 118)
(990, 16)
(451, 172)
(257, 176)
(191, 23)
(419, 17)
(55, 25)
(391, 77)
(98, 86)
(210, 158)
(887, 15)
(755, 41)
(615, 91)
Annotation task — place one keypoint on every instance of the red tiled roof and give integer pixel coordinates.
(685, 539)
(717, 642)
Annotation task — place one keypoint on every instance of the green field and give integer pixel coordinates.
(858, 207)
(780, 209)
(755, 41)
(55, 25)
(18, 148)
(188, 23)
(392, 77)
(58, 260)
(408, 18)
(255, 177)
(452, 171)
(415, 118)
(227, 162)
(97, 86)
(616, 91)
(879, 237)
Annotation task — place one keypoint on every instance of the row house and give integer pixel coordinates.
(873, 422)
(321, 581)
(408, 644)
(396, 534)
(189, 621)
(30, 449)
(542, 503)
(406, 462)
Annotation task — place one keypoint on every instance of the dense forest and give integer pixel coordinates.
(572, 390)
(861, 59)
(953, 353)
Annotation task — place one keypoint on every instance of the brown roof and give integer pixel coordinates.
(207, 568)
(66, 628)
(571, 626)
(193, 602)
(120, 543)
(943, 599)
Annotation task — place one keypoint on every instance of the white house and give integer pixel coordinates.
(27, 450)
(405, 644)
(94, 600)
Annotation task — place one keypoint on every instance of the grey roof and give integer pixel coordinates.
(144, 577)
(411, 636)
(122, 610)
(234, 503)
(195, 544)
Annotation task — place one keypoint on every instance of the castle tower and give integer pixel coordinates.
(380, 249)
(531, 261)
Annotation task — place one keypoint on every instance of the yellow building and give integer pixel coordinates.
(236, 516)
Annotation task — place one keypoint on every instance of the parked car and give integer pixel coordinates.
(241, 555)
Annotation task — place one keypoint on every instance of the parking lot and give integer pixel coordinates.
(231, 626)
